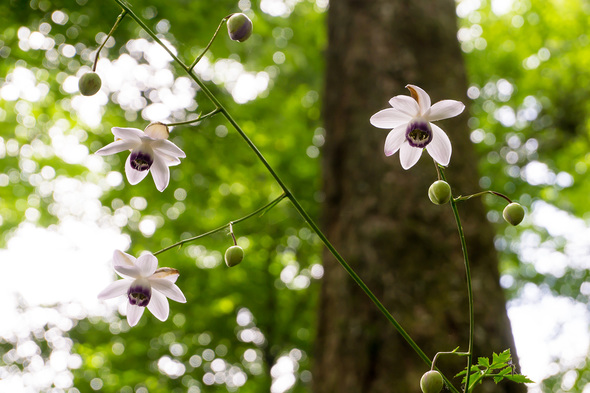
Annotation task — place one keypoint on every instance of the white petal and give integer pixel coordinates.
(160, 173)
(124, 265)
(166, 273)
(134, 313)
(421, 96)
(132, 134)
(440, 147)
(117, 147)
(409, 155)
(117, 288)
(168, 148)
(394, 140)
(444, 109)
(389, 118)
(121, 258)
(405, 104)
(168, 288)
(158, 305)
(133, 176)
(147, 264)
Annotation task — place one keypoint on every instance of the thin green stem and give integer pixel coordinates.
(467, 197)
(119, 19)
(453, 352)
(262, 209)
(469, 287)
(209, 44)
(200, 118)
(287, 193)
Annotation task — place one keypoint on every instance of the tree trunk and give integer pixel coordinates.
(379, 216)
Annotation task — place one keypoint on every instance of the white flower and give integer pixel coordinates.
(150, 151)
(144, 285)
(412, 131)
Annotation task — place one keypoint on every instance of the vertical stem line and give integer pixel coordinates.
(469, 287)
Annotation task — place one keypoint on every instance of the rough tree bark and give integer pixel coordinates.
(379, 216)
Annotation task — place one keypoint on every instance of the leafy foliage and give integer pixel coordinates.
(499, 368)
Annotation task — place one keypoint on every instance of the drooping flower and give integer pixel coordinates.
(410, 120)
(145, 286)
(150, 151)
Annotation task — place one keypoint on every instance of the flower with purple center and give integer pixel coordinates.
(145, 286)
(410, 120)
(151, 151)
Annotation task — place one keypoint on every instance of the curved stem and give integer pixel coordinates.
(209, 44)
(467, 197)
(469, 287)
(119, 19)
(200, 118)
(287, 194)
(262, 209)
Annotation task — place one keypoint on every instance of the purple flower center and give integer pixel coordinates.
(139, 293)
(418, 133)
(141, 161)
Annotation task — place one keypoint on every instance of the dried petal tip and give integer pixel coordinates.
(234, 256)
(239, 27)
(513, 213)
(431, 382)
(157, 130)
(439, 192)
(89, 84)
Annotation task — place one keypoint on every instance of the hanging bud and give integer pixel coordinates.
(513, 213)
(431, 382)
(439, 192)
(239, 27)
(89, 84)
(157, 130)
(234, 256)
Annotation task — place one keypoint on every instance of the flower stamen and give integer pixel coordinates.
(418, 133)
(141, 161)
(139, 293)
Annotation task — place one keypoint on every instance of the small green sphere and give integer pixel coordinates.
(513, 213)
(439, 192)
(89, 84)
(239, 27)
(234, 256)
(431, 382)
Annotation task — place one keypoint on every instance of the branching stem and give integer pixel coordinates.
(286, 193)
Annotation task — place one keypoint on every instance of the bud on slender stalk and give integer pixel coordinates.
(239, 27)
(431, 382)
(513, 213)
(234, 255)
(89, 84)
(439, 192)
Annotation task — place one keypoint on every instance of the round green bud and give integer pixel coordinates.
(439, 192)
(89, 84)
(431, 382)
(239, 27)
(513, 213)
(234, 255)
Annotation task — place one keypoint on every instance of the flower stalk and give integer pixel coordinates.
(117, 22)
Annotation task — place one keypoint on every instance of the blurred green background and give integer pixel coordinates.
(250, 328)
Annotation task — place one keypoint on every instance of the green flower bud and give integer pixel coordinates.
(234, 256)
(239, 27)
(439, 192)
(89, 84)
(431, 382)
(513, 213)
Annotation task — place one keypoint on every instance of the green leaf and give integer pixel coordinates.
(518, 378)
(485, 362)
